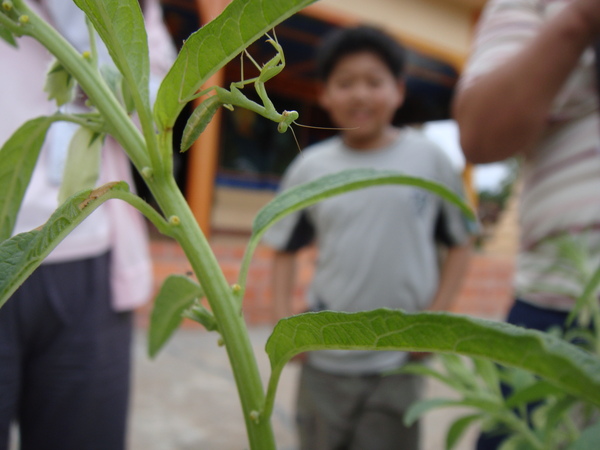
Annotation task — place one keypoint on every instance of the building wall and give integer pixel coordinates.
(441, 28)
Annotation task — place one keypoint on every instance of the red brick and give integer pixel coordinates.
(487, 289)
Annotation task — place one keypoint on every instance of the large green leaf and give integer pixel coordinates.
(310, 193)
(23, 253)
(307, 194)
(120, 25)
(214, 45)
(175, 296)
(563, 364)
(18, 155)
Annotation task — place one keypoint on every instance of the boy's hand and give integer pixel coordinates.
(419, 356)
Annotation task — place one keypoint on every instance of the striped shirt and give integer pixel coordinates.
(560, 202)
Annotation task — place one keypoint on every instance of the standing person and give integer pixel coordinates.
(65, 335)
(377, 247)
(529, 90)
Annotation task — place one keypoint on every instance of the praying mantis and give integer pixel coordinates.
(203, 114)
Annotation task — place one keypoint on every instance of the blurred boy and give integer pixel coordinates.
(378, 247)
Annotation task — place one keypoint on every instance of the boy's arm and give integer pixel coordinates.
(452, 274)
(283, 283)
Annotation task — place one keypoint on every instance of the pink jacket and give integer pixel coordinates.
(115, 226)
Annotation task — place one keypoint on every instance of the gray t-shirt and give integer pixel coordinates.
(377, 247)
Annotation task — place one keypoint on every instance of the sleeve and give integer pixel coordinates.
(160, 44)
(452, 227)
(69, 21)
(505, 26)
(132, 275)
(296, 230)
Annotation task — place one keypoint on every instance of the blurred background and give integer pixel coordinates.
(186, 399)
(239, 160)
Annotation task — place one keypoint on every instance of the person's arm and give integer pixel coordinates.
(283, 282)
(503, 112)
(452, 274)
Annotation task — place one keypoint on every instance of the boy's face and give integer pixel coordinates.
(362, 95)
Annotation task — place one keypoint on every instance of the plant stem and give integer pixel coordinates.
(87, 122)
(224, 307)
(187, 232)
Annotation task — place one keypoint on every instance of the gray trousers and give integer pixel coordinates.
(65, 360)
(336, 412)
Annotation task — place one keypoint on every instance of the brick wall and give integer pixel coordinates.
(486, 291)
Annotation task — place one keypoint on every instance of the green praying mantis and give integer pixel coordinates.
(203, 114)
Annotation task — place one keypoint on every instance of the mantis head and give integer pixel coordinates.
(287, 118)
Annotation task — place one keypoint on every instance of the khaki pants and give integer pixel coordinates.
(337, 412)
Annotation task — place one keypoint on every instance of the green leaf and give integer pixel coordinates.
(120, 25)
(59, 85)
(416, 410)
(458, 428)
(214, 45)
(307, 194)
(554, 414)
(589, 439)
(539, 390)
(7, 36)
(488, 371)
(561, 363)
(176, 295)
(517, 378)
(587, 296)
(18, 155)
(118, 87)
(23, 253)
(459, 371)
(515, 442)
(198, 121)
(426, 371)
(310, 193)
(82, 166)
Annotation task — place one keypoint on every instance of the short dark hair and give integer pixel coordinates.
(348, 41)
